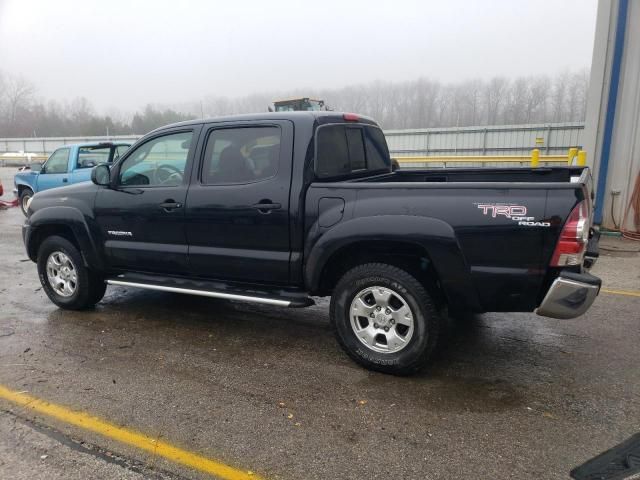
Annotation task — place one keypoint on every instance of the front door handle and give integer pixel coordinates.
(265, 206)
(170, 205)
(65, 180)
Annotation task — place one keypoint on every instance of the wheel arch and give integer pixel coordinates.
(67, 222)
(426, 247)
(24, 180)
(21, 187)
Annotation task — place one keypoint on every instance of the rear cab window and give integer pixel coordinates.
(346, 149)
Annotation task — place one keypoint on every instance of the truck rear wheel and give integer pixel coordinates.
(65, 279)
(384, 319)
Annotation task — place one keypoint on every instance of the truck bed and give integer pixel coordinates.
(506, 258)
(491, 175)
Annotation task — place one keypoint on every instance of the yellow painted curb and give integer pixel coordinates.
(127, 436)
(629, 293)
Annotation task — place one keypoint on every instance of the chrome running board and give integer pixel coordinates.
(202, 293)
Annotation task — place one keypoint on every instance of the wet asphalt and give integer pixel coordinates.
(267, 389)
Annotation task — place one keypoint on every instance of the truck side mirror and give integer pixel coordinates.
(101, 175)
(35, 167)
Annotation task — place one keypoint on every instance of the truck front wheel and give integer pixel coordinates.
(65, 279)
(25, 196)
(384, 319)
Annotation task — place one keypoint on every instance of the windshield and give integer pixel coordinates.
(313, 105)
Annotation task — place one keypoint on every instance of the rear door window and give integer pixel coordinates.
(241, 155)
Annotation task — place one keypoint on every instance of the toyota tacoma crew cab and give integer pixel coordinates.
(277, 208)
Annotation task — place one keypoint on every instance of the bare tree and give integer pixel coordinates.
(81, 110)
(472, 93)
(537, 94)
(18, 94)
(558, 97)
(2, 96)
(495, 92)
(576, 104)
(516, 101)
(419, 103)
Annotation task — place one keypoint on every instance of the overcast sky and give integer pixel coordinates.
(125, 54)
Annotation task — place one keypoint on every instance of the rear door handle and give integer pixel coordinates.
(65, 180)
(170, 205)
(266, 206)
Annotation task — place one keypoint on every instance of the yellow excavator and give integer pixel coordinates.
(305, 104)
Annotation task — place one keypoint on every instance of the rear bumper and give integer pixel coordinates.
(570, 295)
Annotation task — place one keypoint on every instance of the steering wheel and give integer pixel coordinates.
(165, 174)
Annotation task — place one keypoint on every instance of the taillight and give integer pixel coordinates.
(573, 238)
(350, 117)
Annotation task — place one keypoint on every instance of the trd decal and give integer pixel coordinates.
(119, 233)
(508, 211)
(517, 213)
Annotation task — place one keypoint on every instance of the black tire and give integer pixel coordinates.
(25, 195)
(89, 287)
(427, 322)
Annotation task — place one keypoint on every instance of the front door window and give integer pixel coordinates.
(58, 162)
(158, 162)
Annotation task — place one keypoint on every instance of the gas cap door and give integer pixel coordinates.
(330, 211)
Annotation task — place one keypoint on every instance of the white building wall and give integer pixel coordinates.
(624, 159)
(625, 149)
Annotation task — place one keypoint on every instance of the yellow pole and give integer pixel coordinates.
(573, 151)
(535, 158)
(582, 158)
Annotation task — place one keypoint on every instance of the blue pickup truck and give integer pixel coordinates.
(67, 165)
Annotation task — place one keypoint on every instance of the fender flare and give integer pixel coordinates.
(22, 183)
(71, 218)
(436, 236)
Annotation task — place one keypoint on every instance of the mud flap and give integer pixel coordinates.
(621, 462)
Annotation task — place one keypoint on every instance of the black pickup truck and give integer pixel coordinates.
(276, 208)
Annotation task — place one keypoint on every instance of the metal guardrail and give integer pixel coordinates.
(494, 140)
(20, 160)
(535, 159)
(550, 138)
(47, 145)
